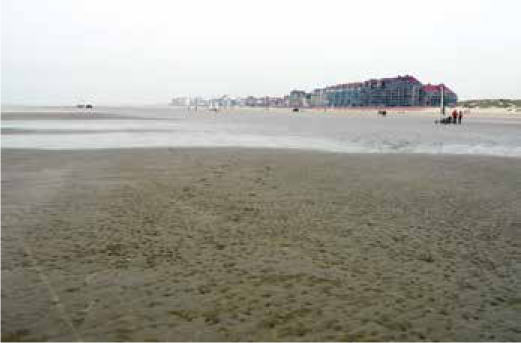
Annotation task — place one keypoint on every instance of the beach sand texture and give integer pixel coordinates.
(237, 244)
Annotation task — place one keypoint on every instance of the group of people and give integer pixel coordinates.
(456, 116)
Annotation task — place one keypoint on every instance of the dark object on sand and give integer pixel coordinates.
(444, 120)
(88, 106)
(80, 106)
(296, 110)
(382, 113)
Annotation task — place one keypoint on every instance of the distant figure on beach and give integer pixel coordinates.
(454, 116)
(460, 115)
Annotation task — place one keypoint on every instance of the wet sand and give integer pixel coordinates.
(72, 115)
(238, 244)
(11, 131)
(114, 128)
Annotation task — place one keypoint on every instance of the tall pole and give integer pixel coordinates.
(442, 101)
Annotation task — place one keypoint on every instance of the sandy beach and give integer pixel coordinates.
(219, 171)
(254, 244)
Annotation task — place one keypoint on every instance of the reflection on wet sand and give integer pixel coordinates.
(358, 133)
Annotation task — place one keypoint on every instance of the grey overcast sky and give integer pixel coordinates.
(123, 51)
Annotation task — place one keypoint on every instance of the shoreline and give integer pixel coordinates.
(254, 244)
(252, 149)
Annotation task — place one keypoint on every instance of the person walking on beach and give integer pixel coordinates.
(460, 115)
(454, 116)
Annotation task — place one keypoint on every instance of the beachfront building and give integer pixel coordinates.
(224, 101)
(198, 102)
(299, 99)
(400, 91)
(275, 101)
(318, 98)
(431, 95)
(250, 101)
(264, 101)
(180, 101)
(345, 95)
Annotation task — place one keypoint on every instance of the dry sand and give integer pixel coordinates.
(231, 244)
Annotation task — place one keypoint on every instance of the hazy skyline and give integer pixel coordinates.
(117, 52)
